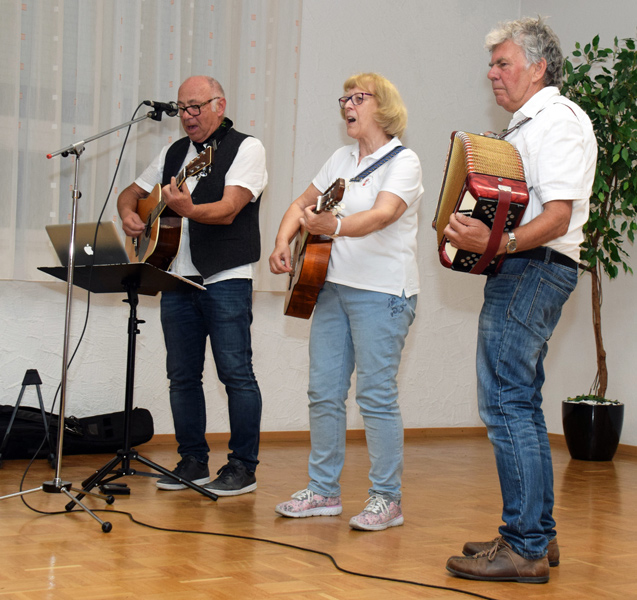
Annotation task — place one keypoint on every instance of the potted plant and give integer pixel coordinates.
(604, 84)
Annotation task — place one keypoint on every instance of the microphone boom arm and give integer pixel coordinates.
(78, 147)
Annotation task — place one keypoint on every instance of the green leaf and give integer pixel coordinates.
(603, 82)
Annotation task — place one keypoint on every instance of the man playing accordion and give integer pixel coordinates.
(523, 301)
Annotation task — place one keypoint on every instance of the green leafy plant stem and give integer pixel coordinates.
(603, 82)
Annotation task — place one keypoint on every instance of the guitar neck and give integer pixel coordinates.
(322, 204)
(161, 205)
(181, 177)
(330, 198)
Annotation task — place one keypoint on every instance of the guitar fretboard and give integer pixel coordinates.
(180, 178)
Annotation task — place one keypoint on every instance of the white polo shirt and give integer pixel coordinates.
(385, 260)
(559, 153)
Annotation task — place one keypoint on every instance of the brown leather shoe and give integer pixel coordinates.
(500, 563)
(471, 548)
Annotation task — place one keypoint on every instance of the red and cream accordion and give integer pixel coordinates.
(483, 179)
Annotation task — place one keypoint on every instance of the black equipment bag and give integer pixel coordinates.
(98, 434)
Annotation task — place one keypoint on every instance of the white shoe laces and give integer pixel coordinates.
(303, 495)
(376, 504)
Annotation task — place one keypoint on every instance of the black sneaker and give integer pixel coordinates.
(234, 479)
(188, 468)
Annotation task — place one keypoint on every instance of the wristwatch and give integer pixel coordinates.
(512, 244)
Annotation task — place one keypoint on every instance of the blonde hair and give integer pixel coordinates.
(392, 112)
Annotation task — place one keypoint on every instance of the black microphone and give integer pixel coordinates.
(170, 108)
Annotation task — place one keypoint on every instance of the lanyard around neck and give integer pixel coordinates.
(381, 161)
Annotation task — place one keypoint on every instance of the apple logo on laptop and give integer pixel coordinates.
(88, 250)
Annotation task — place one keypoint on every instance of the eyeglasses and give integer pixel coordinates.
(194, 110)
(355, 98)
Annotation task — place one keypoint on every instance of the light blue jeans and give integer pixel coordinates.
(522, 305)
(367, 330)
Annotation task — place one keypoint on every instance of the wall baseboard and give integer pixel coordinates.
(622, 449)
(359, 434)
(352, 434)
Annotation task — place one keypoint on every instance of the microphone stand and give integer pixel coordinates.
(57, 485)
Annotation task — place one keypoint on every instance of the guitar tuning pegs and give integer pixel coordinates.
(337, 210)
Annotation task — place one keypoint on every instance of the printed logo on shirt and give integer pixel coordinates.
(366, 182)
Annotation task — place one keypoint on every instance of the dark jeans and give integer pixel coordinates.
(223, 313)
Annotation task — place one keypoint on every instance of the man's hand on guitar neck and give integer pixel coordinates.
(178, 199)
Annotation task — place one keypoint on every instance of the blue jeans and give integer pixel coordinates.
(353, 327)
(522, 305)
(223, 313)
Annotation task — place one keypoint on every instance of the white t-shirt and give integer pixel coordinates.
(384, 260)
(559, 152)
(247, 170)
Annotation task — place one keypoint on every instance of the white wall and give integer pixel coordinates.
(433, 53)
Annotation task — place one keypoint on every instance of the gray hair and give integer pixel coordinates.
(536, 39)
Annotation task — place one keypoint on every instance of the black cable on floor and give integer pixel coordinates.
(276, 543)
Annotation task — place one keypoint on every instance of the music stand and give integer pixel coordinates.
(57, 485)
(134, 279)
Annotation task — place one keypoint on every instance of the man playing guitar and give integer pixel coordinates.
(220, 243)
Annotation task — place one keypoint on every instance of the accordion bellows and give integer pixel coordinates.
(480, 173)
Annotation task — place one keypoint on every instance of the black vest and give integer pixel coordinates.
(215, 248)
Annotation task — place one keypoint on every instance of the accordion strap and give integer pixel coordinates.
(508, 131)
(499, 222)
(381, 161)
(500, 218)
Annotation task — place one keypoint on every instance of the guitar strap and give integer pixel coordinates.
(215, 139)
(381, 161)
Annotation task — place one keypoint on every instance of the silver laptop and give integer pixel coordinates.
(106, 249)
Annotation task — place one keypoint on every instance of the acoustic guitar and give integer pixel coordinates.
(311, 259)
(159, 243)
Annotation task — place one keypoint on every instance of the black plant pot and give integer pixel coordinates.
(592, 431)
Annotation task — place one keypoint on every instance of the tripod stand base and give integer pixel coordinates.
(134, 279)
(57, 486)
(109, 472)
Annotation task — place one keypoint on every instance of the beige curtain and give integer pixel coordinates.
(74, 68)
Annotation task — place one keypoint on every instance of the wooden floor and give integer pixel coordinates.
(450, 496)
